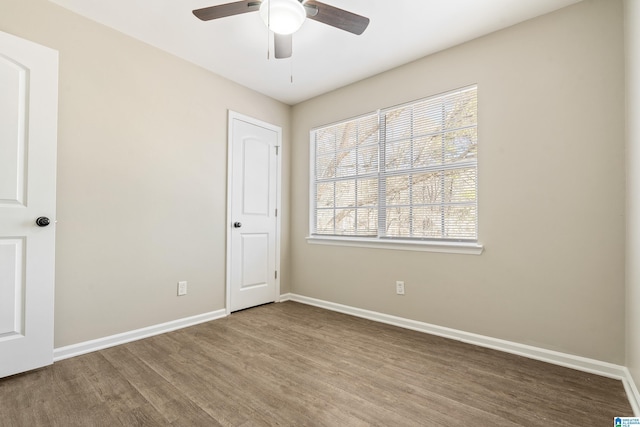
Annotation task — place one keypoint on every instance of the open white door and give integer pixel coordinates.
(28, 137)
(253, 233)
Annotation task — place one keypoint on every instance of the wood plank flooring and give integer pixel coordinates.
(290, 364)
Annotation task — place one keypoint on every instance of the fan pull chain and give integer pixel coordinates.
(291, 64)
(268, 46)
(268, 29)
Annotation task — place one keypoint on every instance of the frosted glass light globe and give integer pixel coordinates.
(282, 16)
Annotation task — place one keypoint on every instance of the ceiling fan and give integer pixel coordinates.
(284, 17)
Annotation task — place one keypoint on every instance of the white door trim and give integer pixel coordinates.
(229, 221)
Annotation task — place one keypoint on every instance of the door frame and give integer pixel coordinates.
(232, 115)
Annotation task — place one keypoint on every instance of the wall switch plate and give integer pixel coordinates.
(400, 287)
(182, 288)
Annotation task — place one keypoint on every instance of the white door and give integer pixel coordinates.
(253, 237)
(28, 134)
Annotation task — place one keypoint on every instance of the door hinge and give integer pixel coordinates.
(276, 276)
(277, 149)
(276, 212)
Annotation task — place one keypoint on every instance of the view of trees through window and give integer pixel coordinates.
(407, 172)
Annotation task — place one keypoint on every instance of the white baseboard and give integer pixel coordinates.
(125, 337)
(579, 363)
(285, 297)
(632, 392)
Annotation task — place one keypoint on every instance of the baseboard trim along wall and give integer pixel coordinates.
(632, 392)
(584, 364)
(125, 337)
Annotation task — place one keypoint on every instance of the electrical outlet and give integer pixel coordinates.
(182, 288)
(400, 287)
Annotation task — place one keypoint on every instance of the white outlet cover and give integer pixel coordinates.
(182, 288)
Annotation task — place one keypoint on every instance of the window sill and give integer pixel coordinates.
(402, 245)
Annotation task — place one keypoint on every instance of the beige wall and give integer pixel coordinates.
(141, 175)
(632, 38)
(551, 190)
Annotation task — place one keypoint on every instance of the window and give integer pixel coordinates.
(406, 173)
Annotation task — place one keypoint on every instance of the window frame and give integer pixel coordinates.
(384, 242)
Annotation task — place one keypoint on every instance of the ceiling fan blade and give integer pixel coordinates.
(283, 45)
(338, 18)
(228, 9)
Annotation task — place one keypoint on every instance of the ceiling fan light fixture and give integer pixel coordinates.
(282, 16)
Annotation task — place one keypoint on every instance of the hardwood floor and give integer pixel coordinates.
(290, 364)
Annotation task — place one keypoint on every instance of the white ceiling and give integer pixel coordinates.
(324, 58)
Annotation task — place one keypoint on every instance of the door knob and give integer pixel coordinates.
(237, 224)
(42, 221)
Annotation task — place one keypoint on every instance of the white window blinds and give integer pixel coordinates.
(406, 172)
